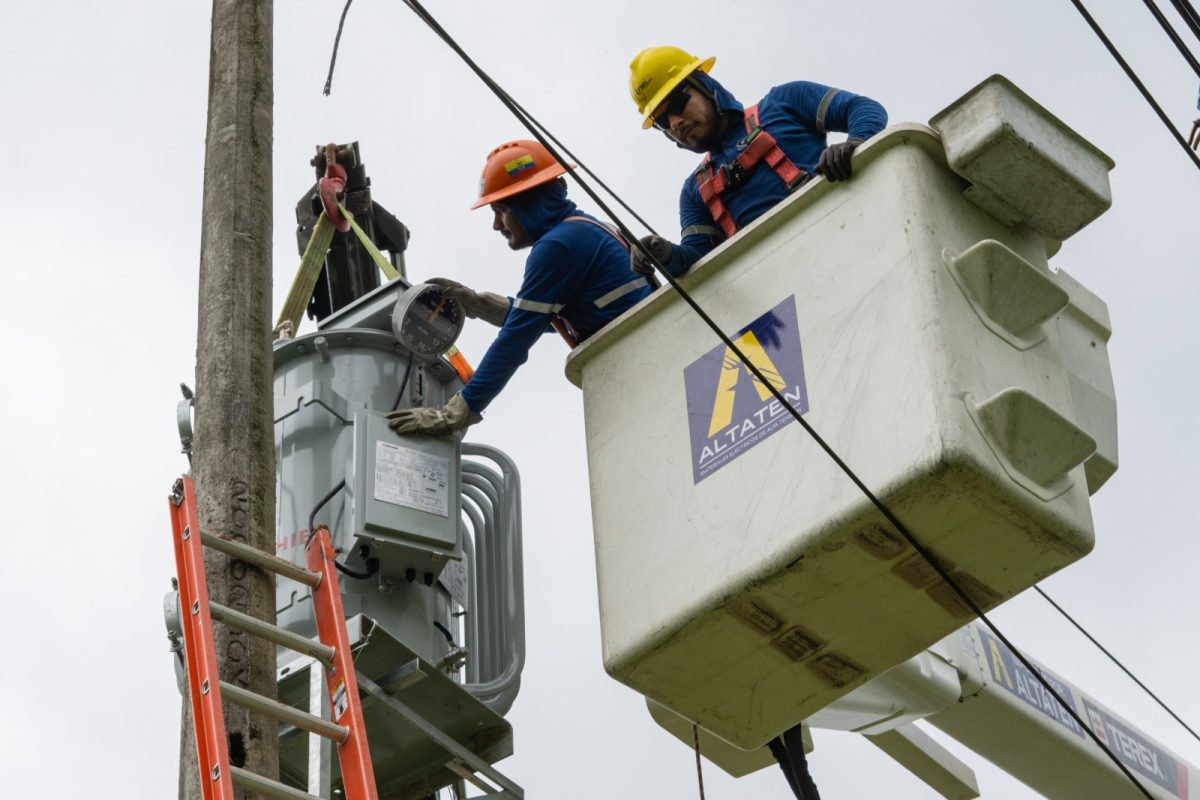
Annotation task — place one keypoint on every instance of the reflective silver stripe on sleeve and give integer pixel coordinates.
(620, 291)
(824, 107)
(536, 307)
(708, 230)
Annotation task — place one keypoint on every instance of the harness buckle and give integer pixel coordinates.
(732, 174)
(804, 177)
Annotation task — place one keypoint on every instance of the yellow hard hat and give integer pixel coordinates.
(656, 71)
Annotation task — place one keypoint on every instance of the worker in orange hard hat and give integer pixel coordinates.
(576, 281)
(753, 156)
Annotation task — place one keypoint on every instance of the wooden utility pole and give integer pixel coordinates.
(233, 459)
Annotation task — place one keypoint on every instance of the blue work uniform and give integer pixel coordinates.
(797, 114)
(577, 268)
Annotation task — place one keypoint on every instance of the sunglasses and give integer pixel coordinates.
(674, 104)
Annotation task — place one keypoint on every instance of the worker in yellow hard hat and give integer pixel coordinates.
(576, 279)
(753, 156)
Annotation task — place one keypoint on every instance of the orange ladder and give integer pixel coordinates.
(332, 650)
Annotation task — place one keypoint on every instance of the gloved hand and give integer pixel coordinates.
(1194, 136)
(450, 418)
(659, 247)
(834, 163)
(487, 306)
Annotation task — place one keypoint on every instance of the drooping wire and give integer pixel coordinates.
(1141, 87)
(337, 40)
(883, 509)
(1116, 661)
(1168, 29)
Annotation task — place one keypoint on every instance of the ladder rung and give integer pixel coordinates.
(244, 779)
(251, 555)
(272, 633)
(284, 713)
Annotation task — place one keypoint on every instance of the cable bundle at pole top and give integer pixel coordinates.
(554, 146)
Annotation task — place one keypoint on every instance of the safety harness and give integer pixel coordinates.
(758, 145)
(569, 332)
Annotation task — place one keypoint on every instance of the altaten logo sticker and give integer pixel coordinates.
(729, 410)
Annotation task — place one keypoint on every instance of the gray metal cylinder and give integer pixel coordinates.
(320, 380)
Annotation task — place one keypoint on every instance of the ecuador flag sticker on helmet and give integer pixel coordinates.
(518, 165)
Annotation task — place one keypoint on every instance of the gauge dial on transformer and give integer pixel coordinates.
(426, 321)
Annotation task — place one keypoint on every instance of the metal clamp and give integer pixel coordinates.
(183, 420)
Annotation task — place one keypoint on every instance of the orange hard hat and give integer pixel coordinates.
(516, 167)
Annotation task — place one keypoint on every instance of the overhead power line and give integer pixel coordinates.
(1156, 12)
(684, 295)
(1117, 661)
(1141, 87)
(1189, 14)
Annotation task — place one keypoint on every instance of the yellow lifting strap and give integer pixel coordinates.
(314, 258)
(310, 267)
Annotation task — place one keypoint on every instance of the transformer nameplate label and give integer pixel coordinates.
(405, 476)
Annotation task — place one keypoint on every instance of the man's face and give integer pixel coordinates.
(690, 119)
(506, 222)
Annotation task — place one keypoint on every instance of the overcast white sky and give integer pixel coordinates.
(103, 136)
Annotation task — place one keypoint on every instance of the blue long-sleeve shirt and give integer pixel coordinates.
(791, 114)
(575, 268)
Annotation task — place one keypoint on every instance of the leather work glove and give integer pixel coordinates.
(659, 247)
(450, 418)
(835, 160)
(487, 306)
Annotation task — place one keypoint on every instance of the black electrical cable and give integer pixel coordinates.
(696, 747)
(584, 167)
(372, 568)
(404, 381)
(337, 40)
(1173, 36)
(887, 513)
(372, 563)
(1190, 17)
(445, 632)
(1162, 115)
(312, 517)
(1116, 661)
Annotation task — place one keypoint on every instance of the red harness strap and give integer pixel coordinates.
(760, 146)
